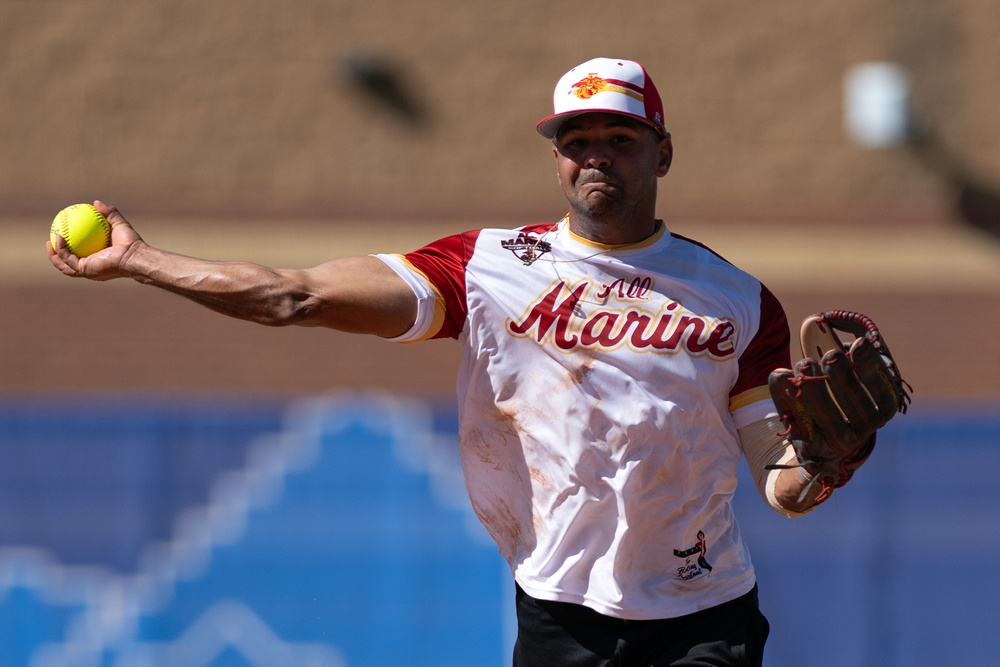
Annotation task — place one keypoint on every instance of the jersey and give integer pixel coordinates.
(600, 393)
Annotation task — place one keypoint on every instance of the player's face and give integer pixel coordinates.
(609, 162)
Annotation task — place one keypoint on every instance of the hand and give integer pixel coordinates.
(106, 264)
(837, 397)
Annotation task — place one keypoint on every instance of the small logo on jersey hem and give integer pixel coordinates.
(695, 564)
(527, 248)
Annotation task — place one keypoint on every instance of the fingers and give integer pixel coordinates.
(862, 374)
(122, 231)
(859, 382)
(110, 212)
(880, 378)
(852, 396)
(805, 397)
(62, 258)
(816, 337)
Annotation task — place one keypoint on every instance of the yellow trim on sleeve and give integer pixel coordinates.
(749, 397)
(440, 307)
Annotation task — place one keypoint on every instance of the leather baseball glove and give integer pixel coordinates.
(837, 397)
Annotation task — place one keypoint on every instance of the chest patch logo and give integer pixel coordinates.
(527, 248)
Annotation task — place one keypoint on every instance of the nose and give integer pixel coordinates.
(598, 156)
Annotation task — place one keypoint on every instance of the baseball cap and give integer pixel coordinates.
(606, 85)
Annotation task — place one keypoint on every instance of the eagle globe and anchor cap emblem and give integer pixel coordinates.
(589, 86)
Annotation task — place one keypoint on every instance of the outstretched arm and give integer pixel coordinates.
(354, 294)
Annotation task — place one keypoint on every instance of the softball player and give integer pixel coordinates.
(613, 374)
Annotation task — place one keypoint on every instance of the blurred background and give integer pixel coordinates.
(180, 488)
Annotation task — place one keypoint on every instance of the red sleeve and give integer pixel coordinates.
(443, 262)
(769, 349)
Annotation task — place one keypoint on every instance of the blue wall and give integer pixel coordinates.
(337, 532)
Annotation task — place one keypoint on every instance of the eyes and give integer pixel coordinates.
(576, 141)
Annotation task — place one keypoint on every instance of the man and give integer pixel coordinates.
(613, 375)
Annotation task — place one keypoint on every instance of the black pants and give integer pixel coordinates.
(557, 634)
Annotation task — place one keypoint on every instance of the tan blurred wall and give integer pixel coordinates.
(234, 106)
(194, 115)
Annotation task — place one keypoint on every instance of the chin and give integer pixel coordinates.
(595, 206)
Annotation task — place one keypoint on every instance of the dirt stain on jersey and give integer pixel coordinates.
(579, 373)
(503, 502)
(538, 478)
(505, 528)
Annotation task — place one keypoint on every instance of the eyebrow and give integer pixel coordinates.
(623, 122)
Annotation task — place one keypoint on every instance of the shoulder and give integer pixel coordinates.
(697, 248)
(467, 241)
(706, 269)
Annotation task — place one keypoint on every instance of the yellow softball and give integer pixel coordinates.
(83, 227)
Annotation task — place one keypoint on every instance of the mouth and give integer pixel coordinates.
(597, 181)
(598, 186)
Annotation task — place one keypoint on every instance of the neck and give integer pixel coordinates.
(612, 233)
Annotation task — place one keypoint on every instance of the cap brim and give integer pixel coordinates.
(549, 126)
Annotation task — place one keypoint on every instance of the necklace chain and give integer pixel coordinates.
(532, 257)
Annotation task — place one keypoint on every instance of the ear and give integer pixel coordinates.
(666, 157)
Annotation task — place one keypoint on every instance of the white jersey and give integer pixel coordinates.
(600, 392)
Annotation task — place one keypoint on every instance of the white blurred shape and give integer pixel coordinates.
(877, 104)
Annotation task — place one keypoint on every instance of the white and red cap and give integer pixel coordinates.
(605, 85)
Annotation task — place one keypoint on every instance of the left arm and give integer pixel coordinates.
(781, 488)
